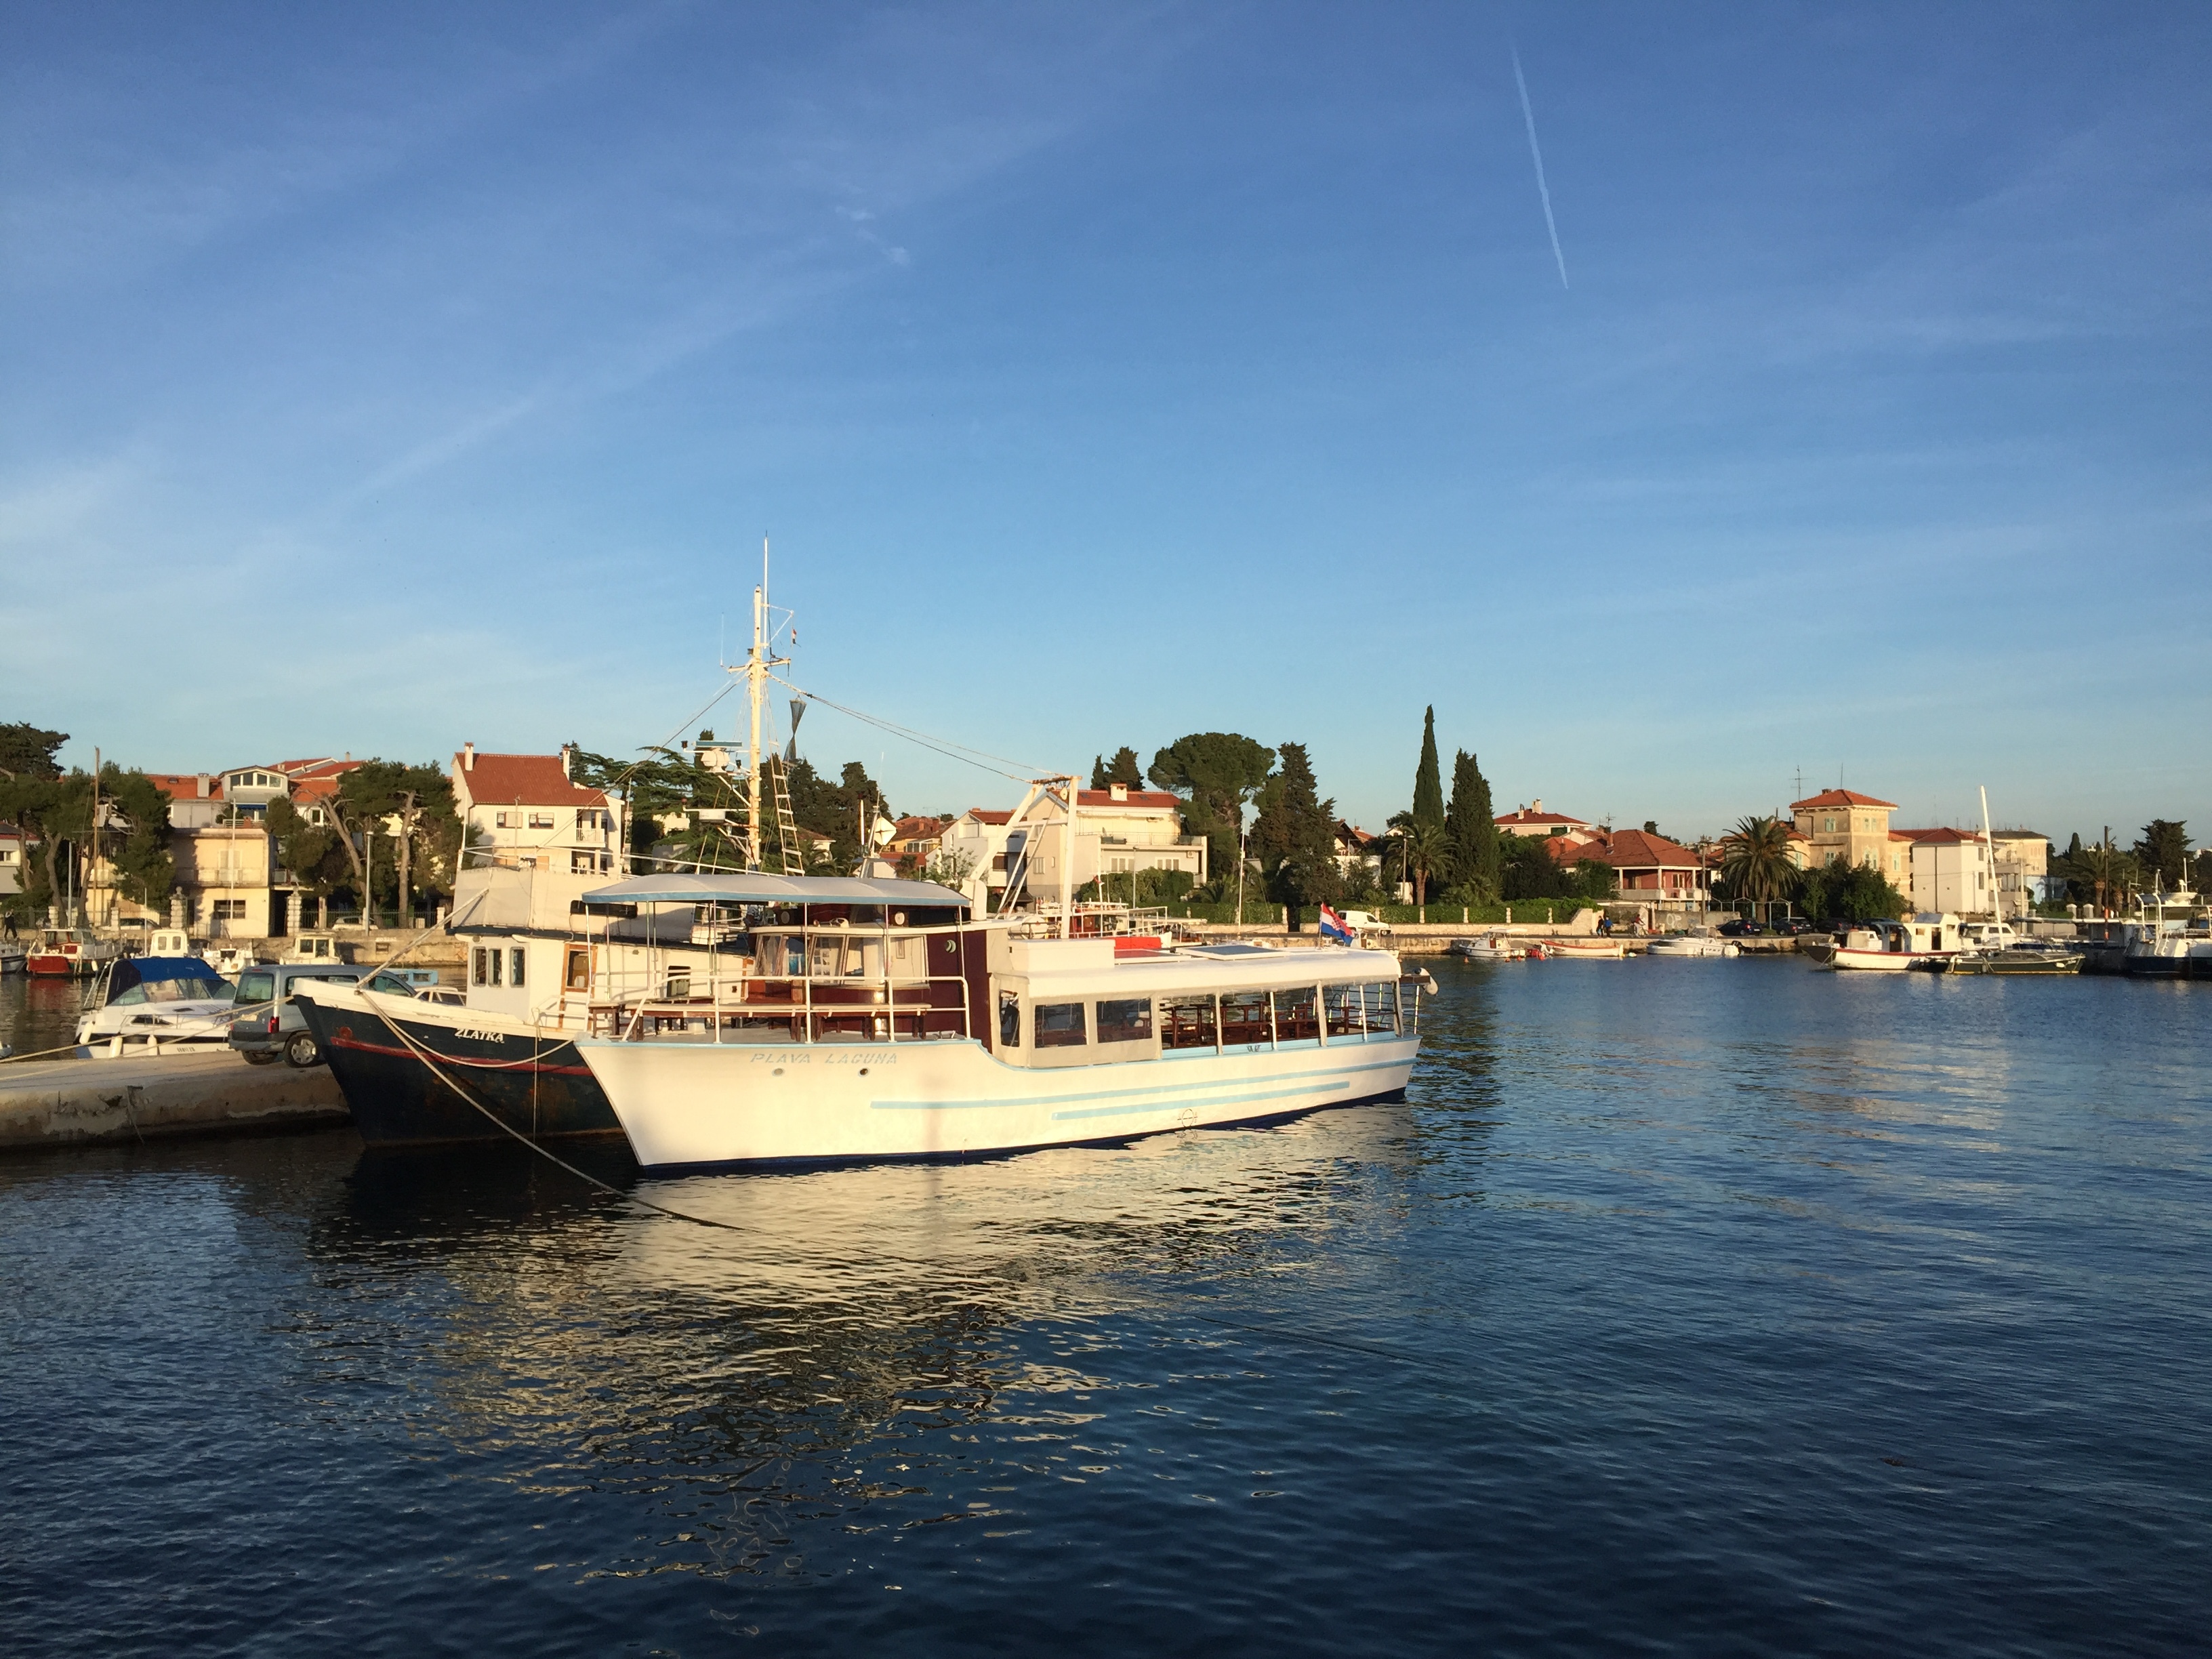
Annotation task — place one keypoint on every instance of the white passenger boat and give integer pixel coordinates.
(830, 1032)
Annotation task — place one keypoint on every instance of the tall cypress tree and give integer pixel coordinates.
(1428, 786)
(1471, 825)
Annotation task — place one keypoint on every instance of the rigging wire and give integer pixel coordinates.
(945, 746)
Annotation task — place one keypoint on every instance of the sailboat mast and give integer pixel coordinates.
(1990, 846)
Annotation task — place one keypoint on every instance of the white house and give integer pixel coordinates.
(1951, 870)
(522, 812)
(1117, 830)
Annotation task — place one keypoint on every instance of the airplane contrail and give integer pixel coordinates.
(1542, 189)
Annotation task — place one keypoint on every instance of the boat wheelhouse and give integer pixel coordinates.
(849, 1018)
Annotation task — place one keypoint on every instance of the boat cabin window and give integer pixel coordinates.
(1059, 1025)
(1010, 1020)
(1186, 1023)
(488, 964)
(174, 990)
(576, 970)
(514, 966)
(256, 988)
(1296, 1017)
(1245, 1018)
(1344, 1011)
(1126, 1020)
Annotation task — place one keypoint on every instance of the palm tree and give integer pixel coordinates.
(1755, 859)
(1423, 850)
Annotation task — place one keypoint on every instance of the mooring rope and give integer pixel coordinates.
(430, 1061)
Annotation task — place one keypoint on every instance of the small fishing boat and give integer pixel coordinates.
(1585, 950)
(2013, 959)
(14, 953)
(154, 1005)
(1702, 943)
(70, 953)
(1492, 947)
(1891, 947)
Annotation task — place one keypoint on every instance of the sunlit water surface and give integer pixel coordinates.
(1696, 1306)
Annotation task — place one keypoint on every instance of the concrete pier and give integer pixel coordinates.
(75, 1102)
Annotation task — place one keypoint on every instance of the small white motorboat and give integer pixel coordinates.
(14, 953)
(154, 1005)
(1702, 943)
(1491, 947)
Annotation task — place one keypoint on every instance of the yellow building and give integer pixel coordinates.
(1840, 826)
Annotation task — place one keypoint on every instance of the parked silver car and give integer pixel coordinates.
(269, 1024)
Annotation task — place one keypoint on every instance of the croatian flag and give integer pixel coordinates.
(1334, 927)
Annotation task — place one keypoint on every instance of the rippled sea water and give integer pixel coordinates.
(1690, 1306)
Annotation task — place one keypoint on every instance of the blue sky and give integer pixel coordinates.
(382, 378)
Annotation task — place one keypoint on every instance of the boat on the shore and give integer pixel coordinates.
(144, 1006)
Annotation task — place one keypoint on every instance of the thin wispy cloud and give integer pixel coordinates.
(1535, 152)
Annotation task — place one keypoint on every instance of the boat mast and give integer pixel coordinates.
(756, 668)
(1990, 846)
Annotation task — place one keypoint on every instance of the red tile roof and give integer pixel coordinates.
(1634, 849)
(522, 780)
(185, 786)
(1837, 797)
(1524, 816)
(1937, 837)
(987, 815)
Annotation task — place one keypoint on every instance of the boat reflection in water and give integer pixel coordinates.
(814, 1348)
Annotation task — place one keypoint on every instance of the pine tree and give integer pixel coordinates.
(1124, 767)
(1428, 786)
(1471, 827)
(1098, 771)
(1293, 837)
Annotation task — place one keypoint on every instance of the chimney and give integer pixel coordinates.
(1537, 804)
(1117, 792)
(566, 749)
(468, 757)
(203, 785)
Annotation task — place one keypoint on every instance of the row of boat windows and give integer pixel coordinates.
(1231, 1020)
